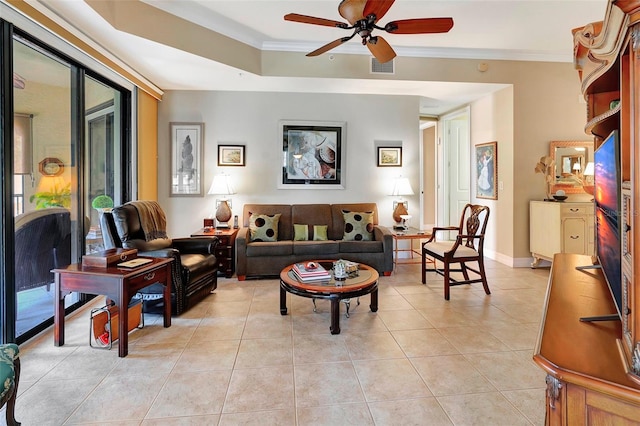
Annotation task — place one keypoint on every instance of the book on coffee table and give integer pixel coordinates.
(305, 273)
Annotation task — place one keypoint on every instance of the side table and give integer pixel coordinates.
(408, 234)
(118, 284)
(226, 249)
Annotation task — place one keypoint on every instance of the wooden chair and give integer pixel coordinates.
(9, 377)
(467, 247)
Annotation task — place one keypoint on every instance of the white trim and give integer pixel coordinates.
(426, 52)
(8, 13)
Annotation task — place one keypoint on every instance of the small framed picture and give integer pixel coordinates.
(389, 156)
(231, 155)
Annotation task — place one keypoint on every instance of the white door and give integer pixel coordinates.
(457, 170)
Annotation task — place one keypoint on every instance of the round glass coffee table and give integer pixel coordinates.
(365, 282)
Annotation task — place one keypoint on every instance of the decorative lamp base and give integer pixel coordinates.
(223, 214)
(400, 210)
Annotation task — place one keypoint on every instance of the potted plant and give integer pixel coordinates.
(102, 203)
(58, 196)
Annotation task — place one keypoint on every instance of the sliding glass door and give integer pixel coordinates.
(69, 154)
(102, 155)
(46, 183)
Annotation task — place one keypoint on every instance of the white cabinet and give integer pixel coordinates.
(560, 227)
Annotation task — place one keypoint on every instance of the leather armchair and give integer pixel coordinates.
(194, 270)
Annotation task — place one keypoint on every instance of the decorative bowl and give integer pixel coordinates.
(560, 197)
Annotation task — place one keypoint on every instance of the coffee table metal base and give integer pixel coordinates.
(334, 297)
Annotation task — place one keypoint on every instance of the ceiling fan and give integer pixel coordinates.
(362, 16)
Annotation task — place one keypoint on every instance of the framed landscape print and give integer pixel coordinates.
(231, 155)
(487, 170)
(187, 142)
(312, 154)
(389, 156)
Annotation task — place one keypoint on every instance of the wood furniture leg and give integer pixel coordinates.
(335, 315)
(10, 413)
(283, 301)
(374, 301)
(58, 329)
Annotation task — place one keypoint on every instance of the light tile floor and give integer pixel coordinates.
(233, 359)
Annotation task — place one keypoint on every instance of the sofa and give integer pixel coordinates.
(260, 257)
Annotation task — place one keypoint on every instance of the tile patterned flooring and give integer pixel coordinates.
(233, 359)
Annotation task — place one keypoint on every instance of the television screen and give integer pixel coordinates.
(607, 212)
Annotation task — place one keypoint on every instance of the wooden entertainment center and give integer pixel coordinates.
(593, 368)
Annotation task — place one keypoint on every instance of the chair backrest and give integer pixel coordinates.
(122, 228)
(473, 222)
(42, 243)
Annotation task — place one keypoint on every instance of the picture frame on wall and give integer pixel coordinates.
(487, 170)
(187, 159)
(231, 155)
(313, 154)
(389, 156)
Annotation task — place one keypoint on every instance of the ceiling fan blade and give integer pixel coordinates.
(304, 19)
(377, 7)
(419, 26)
(329, 46)
(381, 50)
(351, 10)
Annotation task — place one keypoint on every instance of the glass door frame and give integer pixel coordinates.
(8, 304)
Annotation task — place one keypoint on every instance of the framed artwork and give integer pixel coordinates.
(231, 155)
(389, 156)
(312, 154)
(187, 159)
(487, 170)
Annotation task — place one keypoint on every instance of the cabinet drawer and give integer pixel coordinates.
(148, 278)
(576, 210)
(222, 252)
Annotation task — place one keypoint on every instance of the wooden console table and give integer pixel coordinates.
(586, 379)
(120, 285)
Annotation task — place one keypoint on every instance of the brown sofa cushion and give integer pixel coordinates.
(360, 246)
(278, 248)
(313, 248)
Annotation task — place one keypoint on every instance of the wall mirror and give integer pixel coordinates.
(571, 165)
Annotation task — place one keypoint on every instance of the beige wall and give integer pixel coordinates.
(429, 196)
(492, 120)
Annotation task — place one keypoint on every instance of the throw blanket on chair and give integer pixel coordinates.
(152, 219)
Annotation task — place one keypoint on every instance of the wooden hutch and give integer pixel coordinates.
(593, 368)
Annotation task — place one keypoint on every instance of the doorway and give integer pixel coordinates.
(455, 157)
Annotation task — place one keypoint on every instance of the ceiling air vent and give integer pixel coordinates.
(378, 68)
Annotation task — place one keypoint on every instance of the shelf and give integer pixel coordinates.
(602, 125)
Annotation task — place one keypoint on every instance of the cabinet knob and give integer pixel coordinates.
(574, 237)
(574, 210)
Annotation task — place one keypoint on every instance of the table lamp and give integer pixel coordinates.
(587, 181)
(400, 188)
(221, 185)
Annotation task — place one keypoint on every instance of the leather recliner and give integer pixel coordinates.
(194, 270)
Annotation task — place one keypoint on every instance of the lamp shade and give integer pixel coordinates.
(589, 171)
(402, 187)
(576, 167)
(221, 185)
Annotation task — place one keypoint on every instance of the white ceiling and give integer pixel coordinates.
(538, 30)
